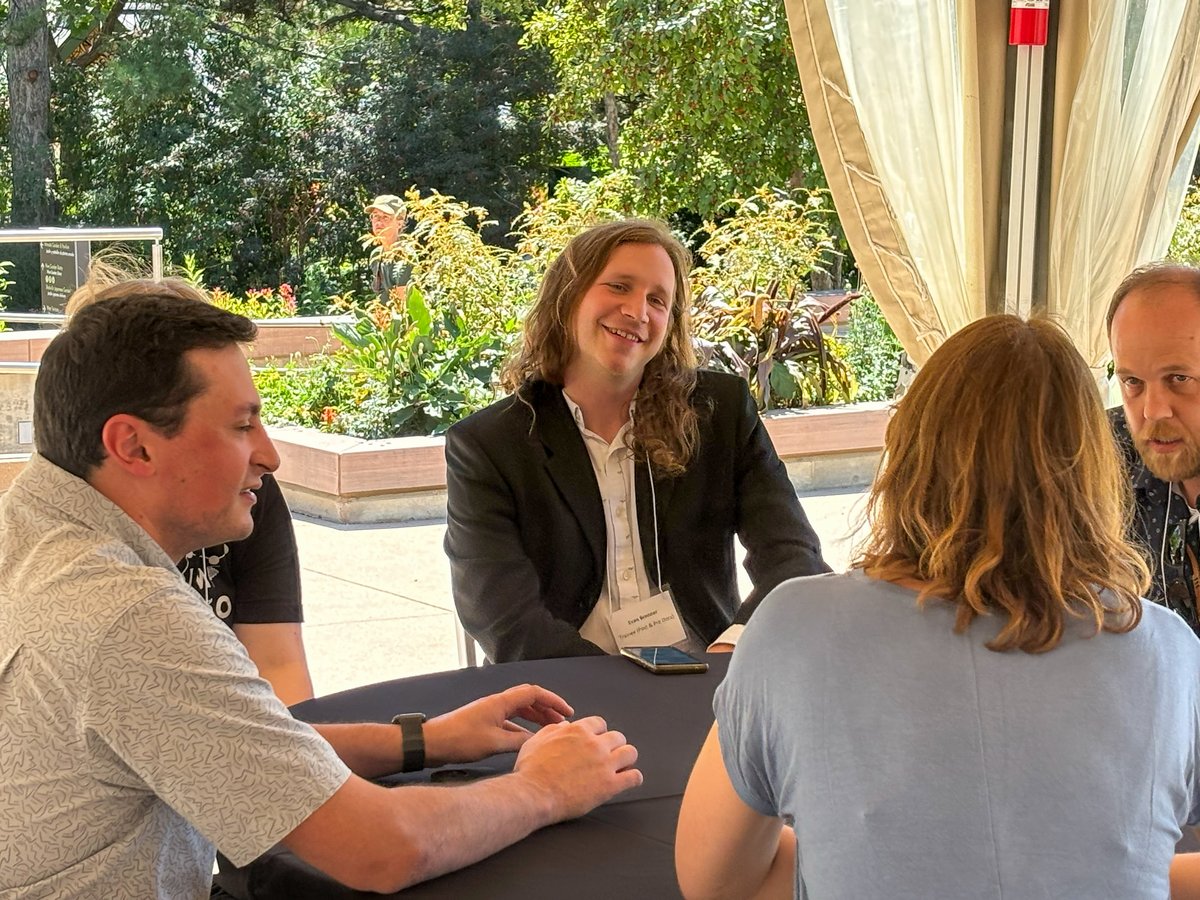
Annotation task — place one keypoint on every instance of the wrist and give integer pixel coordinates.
(412, 741)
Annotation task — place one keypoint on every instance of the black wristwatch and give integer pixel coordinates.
(412, 732)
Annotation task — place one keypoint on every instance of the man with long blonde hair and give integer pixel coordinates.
(605, 493)
(983, 706)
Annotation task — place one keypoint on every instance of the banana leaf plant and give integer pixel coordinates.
(778, 343)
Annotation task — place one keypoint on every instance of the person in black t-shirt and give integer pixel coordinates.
(253, 586)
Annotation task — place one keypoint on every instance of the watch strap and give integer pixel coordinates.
(412, 734)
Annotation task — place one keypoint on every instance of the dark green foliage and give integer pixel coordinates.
(254, 136)
(461, 111)
(872, 351)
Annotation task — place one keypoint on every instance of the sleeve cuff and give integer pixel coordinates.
(729, 636)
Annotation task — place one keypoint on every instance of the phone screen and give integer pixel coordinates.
(662, 656)
(664, 660)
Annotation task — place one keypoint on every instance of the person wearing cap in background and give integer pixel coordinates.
(388, 215)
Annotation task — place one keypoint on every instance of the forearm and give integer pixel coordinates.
(371, 750)
(454, 827)
(380, 839)
(1185, 876)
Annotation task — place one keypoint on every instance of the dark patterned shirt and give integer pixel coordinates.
(256, 580)
(1161, 527)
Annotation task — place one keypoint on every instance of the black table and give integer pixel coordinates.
(622, 849)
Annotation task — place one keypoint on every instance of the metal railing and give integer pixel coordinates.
(33, 318)
(44, 235)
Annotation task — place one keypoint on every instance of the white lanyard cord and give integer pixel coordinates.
(654, 512)
(1162, 550)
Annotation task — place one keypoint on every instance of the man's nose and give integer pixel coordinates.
(636, 306)
(1156, 402)
(265, 455)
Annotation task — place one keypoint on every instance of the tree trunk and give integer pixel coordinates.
(28, 69)
(611, 132)
(27, 66)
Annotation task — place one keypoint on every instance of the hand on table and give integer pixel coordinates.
(578, 765)
(483, 727)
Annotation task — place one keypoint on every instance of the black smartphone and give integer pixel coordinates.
(664, 660)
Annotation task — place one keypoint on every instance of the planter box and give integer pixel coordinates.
(277, 339)
(403, 479)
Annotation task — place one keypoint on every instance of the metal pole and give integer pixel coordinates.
(1027, 31)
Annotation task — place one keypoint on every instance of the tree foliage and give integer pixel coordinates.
(462, 111)
(708, 93)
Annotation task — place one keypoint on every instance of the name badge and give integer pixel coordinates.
(653, 622)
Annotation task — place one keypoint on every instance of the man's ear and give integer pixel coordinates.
(124, 438)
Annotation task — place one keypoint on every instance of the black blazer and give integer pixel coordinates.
(525, 523)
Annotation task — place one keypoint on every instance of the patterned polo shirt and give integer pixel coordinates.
(135, 732)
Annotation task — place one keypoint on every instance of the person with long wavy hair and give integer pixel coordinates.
(605, 492)
(983, 706)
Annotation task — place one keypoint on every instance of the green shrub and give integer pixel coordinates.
(260, 303)
(1185, 242)
(309, 392)
(872, 351)
(751, 316)
(430, 355)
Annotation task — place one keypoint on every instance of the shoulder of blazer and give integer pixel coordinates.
(513, 418)
(720, 386)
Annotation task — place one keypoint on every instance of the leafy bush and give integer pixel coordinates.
(777, 344)
(872, 351)
(429, 356)
(1185, 242)
(260, 303)
(403, 369)
(309, 392)
(771, 336)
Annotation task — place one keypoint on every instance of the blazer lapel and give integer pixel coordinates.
(570, 467)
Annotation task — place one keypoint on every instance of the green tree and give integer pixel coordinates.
(462, 110)
(706, 93)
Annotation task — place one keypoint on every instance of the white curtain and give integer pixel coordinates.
(910, 90)
(907, 109)
(1129, 148)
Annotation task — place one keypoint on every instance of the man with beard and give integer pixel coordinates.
(1154, 331)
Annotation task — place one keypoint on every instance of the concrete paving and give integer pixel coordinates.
(377, 597)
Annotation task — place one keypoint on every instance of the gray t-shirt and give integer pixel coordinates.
(916, 763)
(135, 732)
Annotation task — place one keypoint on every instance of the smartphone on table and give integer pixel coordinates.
(664, 660)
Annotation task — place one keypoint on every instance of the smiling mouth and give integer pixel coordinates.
(627, 335)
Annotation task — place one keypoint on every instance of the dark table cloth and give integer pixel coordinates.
(623, 849)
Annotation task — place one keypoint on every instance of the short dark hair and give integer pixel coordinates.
(1151, 275)
(124, 353)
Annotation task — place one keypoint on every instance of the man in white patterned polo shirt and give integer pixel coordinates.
(135, 732)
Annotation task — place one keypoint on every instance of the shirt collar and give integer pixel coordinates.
(577, 413)
(77, 502)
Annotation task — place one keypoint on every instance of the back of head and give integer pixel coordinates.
(1001, 489)
(123, 351)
